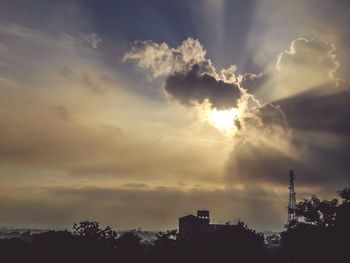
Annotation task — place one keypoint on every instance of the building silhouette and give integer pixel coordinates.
(198, 227)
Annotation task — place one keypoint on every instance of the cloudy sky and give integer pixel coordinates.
(134, 113)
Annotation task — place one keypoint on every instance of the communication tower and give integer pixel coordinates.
(292, 199)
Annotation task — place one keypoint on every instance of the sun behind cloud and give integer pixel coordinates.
(223, 120)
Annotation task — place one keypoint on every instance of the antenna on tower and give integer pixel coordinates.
(292, 200)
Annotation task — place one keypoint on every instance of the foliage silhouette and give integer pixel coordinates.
(317, 212)
(345, 194)
(129, 247)
(90, 230)
(165, 244)
(322, 233)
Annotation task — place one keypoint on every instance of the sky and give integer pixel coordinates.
(135, 113)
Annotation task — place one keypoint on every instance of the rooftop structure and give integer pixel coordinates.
(199, 226)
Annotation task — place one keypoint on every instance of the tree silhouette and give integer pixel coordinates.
(129, 247)
(54, 246)
(322, 233)
(87, 230)
(345, 194)
(94, 243)
(317, 212)
(166, 247)
(166, 239)
(91, 230)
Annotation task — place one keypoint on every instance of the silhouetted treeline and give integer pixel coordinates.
(321, 234)
(88, 242)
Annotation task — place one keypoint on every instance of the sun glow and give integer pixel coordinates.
(223, 120)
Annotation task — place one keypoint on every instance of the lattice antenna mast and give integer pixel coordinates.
(292, 199)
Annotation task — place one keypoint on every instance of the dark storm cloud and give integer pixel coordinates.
(317, 110)
(192, 87)
(253, 82)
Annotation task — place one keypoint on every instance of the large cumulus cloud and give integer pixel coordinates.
(305, 65)
(190, 76)
(192, 87)
(191, 79)
(315, 56)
